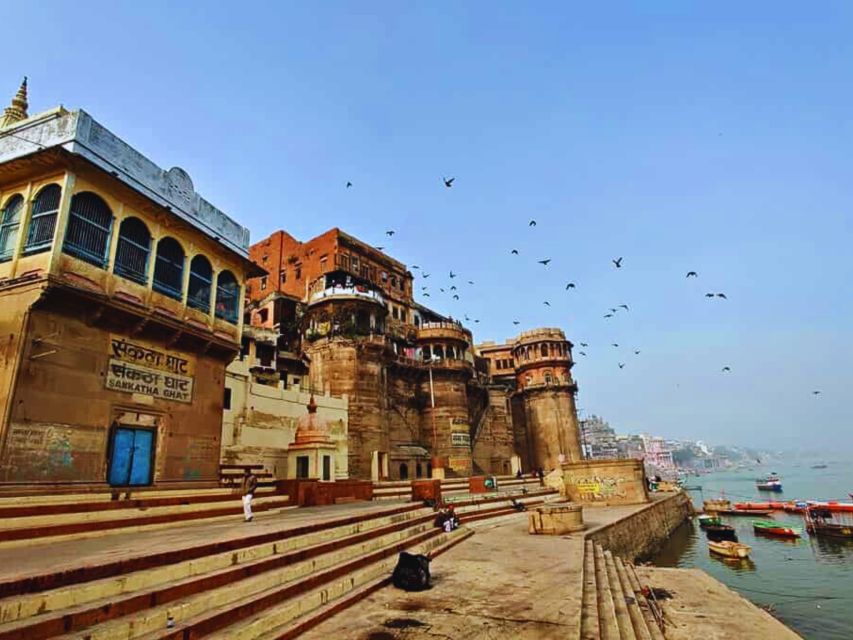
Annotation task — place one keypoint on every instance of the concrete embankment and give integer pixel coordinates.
(642, 532)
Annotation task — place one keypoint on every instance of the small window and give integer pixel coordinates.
(9, 223)
(323, 263)
(298, 274)
(226, 400)
(134, 247)
(43, 219)
(90, 224)
(263, 283)
(227, 297)
(282, 276)
(169, 268)
(263, 316)
(354, 263)
(544, 350)
(404, 471)
(201, 279)
(383, 276)
(548, 378)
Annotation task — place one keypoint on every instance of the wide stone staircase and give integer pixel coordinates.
(614, 604)
(270, 583)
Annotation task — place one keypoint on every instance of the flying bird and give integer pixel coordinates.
(692, 274)
(448, 182)
(722, 295)
(476, 321)
(379, 248)
(514, 252)
(545, 262)
(571, 285)
(424, 276)
(427, 295)
(349, 184)
(532, 223)
(615, 344)
(636, 352)
(617, 262)
(582, 353)
(414, 266)
(621, 365)
(440, 289)
(709, 295)
(452, 275)
(624, 306)
(727, 368)
(546, 303)
(470, 282)
(467, 318)
(390, 232)
(516, 322)
(453, 287)
(455, 297)
(608, 315)
(612, 310)
(584, 344)
(815, 393)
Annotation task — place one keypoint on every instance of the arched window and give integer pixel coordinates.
(201, 278)
(43, 219)
(419, 471)
(134, 247)
(404, 471)
(169, 268)
(89, 225)
(9, 223)
(544, 350)
(548, 378)
(227, 297)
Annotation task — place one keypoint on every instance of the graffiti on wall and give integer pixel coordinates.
(39, 451)
(596, 488)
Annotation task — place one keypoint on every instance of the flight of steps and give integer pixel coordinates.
(613, 605)
(74, 515)
(402, 489)
(261, 587)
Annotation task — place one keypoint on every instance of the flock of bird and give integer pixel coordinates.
(612, 312)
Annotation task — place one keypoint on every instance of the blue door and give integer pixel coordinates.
(130, 464)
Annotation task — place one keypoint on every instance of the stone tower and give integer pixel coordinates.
(546, 396)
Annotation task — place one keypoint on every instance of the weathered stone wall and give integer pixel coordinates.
(494, 446)
(643, 533)
(551, 421)
(606, 482)
(60, 421)
(451, 416)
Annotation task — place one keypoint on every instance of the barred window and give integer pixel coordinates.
(201, 278)
(43, 219)
(169, 268)
(134, 249)
(90, 223)
(227, 297)
(9, 223)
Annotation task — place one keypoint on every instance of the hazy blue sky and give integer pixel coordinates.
(717, 139)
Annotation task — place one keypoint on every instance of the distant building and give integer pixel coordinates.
(122, 297)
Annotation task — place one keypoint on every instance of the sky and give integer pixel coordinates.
(708, 137)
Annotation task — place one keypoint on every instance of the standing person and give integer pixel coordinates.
(250, 485)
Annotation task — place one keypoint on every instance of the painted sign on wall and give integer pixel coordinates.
(459, 439)
(138, 367)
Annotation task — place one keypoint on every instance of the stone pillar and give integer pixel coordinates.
(553, 426)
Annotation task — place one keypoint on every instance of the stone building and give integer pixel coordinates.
(122, 293)
(422, 400)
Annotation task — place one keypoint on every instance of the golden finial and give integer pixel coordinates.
(17, 111)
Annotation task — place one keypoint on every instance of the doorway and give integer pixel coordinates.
(131, 457)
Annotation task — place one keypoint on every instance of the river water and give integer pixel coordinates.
(808, 582)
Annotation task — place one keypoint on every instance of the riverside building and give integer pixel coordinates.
(122, 297)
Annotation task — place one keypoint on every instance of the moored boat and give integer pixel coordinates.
(706, 519)
(745, 512)
(822, 520)
(729, 549)
(772, 528)
(717, 504)
(771, 483)
(720, 532)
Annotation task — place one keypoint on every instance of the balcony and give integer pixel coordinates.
(356, 292)
(444, 331)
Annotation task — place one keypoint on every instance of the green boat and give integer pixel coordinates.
(709, 520)
(771, 528)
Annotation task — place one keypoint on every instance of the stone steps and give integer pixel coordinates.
(265, 585)
(613, 605)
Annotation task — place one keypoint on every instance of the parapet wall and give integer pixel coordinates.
(606, 482)
(643, 533)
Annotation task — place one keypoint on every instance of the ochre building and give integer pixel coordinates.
(121, 292)
(422, 400)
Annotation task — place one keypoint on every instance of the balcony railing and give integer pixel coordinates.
(348, 291)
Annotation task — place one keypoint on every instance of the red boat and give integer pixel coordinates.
(773, 506)
(745, 512)
(772, 528)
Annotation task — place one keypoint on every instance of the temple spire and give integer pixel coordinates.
(16, 111)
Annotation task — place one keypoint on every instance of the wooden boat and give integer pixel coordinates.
(729, 549)
(818, 466)
(796, 506)
(822, 520)
(771, 528)
(706, 519)
(772, 506)
(718, 532)
(716, 505)
(745, 512)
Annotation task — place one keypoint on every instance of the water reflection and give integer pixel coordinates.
(832, 550)
(738, 565)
